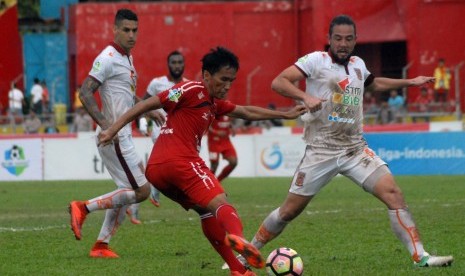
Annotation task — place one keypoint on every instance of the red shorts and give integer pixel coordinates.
(224, 148)
(188, 182)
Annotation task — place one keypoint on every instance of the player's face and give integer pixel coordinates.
(126, 34)
(219, 83)
(176, 66)
(342, 42)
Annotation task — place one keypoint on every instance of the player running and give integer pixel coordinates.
(219, 144)
(114, 75)
(175, 167)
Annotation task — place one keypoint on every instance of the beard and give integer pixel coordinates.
(176, 75)
(342, 61)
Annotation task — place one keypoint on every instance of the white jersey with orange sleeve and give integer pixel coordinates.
(338, 124)
(117, 75)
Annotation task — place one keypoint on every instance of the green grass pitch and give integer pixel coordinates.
(344, 231)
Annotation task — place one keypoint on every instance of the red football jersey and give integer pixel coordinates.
(191, 111)
(220, 124)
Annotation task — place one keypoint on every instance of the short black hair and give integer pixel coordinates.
(174, 53)
(341, 20)
(122, 14)
(218, 58)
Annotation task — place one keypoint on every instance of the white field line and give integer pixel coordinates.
(190, 218)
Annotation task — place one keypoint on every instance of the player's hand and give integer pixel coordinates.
(157, 117)
(295, 112)
(313, 104)
(420, 80)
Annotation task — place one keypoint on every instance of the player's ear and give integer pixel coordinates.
(206, 76)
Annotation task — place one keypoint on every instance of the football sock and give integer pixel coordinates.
(271, 227)
(114, 199)
(216, 234)
(225, 172)
(113, 219)
(404, 227)
(229, 219)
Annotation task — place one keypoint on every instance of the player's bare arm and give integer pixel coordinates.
(155, 115)
(385, 84)
(86, 95)
(106, 136)
(283, 84)
(255, 113)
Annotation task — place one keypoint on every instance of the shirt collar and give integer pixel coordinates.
(119, 49)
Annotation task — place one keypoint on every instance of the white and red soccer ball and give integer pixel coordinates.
(284, 261)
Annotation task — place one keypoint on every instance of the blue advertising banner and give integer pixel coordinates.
(425, 153)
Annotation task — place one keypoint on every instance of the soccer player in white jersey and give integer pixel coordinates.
(114, 75)
(175, 62)
(335, 83)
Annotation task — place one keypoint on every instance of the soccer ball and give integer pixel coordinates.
(284, 261)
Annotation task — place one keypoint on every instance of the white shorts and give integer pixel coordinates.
(319, 166)
(123, 163)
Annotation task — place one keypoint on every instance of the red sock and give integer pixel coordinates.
(216, 234)
(225, 172)
(229, 219)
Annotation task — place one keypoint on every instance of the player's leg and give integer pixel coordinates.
(375, 177)
(216, 236)
(313, 173)
(127, 171)
(401, 219)
(206, 191)
(278, 219)
(113, 219)
(214, 160)
(230, 155)
(133, 212)
(154, 193)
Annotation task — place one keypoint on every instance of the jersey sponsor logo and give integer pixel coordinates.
(174, 94)
(200, 95)
(334, 117)
(167, 131)
(96, 66)
(343, 84)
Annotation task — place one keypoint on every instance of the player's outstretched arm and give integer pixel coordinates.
(255, 113)
(384, 84)
(105, 137)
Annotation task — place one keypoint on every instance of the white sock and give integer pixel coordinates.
(271, 227)
(115, 199)
(113, 219)
(406, 231)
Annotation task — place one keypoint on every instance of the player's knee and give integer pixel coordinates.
(143, 192)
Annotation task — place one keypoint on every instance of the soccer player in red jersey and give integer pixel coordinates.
(219, 144)
(175, 167)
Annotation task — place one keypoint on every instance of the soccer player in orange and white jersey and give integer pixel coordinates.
(175, 166)
(114, 75)
(175, 62)
(335, 83)
(219, 144)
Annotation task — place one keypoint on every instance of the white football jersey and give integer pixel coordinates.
(117, 75)
(339, 123)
